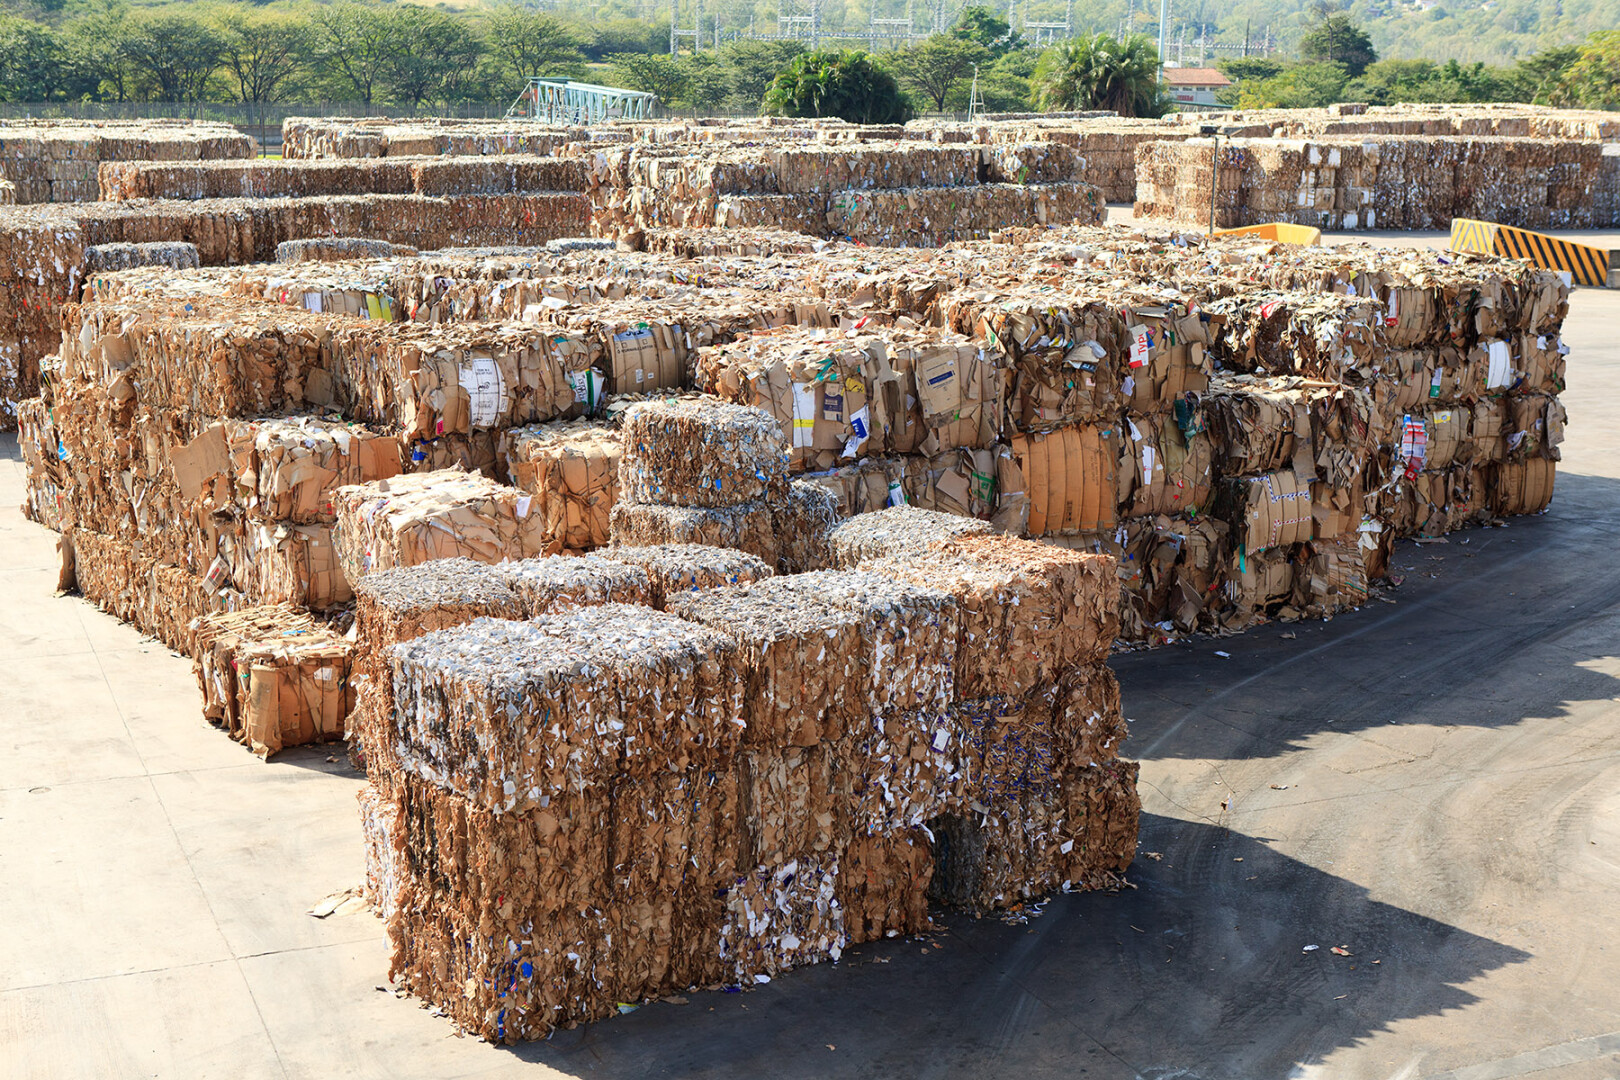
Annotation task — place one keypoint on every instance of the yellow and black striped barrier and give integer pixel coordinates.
(1586, 265)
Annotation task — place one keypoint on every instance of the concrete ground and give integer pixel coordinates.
(1431, 785)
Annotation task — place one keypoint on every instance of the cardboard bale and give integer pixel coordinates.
(934, 216)
(780, 917)
(107, 258)
(882, 885)
(896, 531)
(286, 467)
(1164, 467)
(802, 658)
(508, 904)
(673, 569)
(284, 562)
(572, 469)
(436, 515)
(907, 767)
(748, 528)
(461, 378)
(1534, 427)
(337, 248)
(558, 583)
(1333, 578)
(511, 714)
(910, 630)
(839, 397)
(1273, 510)
(1078, 832)
(1029, 612)
(792, 800)
(701, 454)
(398, 605)
(381, 834)
(273, 678)
(1522, 487)
(1071, 477)
(803, 522)
(1256, 586)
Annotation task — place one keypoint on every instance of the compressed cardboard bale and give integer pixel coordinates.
(380, 831)
(803, 522)
(673, 569)
(1170, 572)
(273, 678)
(572, 469)
(882, 885)
(286, 467)
(748, 528)
(1029, 612)
(107, 258)
(1079, 832)
(1333, 578)
(1534, 427)
(438, 515)
(985, 484)
(1071, 477)
(461, 378)
(337, 248)
(1164, 468)
(1256, 586)
(283, 562)
(1101, 820)
(557, 583)
(507, 905)
(907, 766)
(700, 453)
(1522, 487)
(398, 605)
(841, 395)
(1269, 511)
(800, 657)
(910, 632)
(508, 714)
(896, 531)
(780, 917)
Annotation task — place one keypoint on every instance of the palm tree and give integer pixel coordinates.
(1101, 73)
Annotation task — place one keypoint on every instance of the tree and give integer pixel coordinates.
(528, 44)
(846, 84)
(753, 64)
(938, 66)
(1337, 40)
(615, 36)
(1593, 80)
(1101, 72)
(1240, 68)
(1303, 86)
(1540, 76)
(664, 76)
(1005, 86)
(708, 82)
(38, 64)
(355, 43)
(97, 39)
(433, 55)
(983, 26)
(175, 53)
(264, 53)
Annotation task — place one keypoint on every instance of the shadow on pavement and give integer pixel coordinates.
(1198, 972)
(1488, 627)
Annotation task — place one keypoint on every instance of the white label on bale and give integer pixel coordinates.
(804, 414)
(486, 391)
(1501, 370)
(1141, 345)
